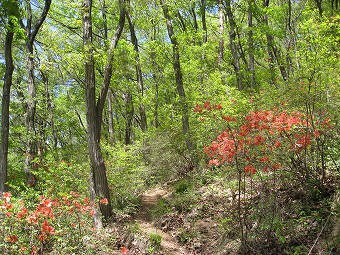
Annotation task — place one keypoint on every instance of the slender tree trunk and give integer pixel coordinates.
(178, 77)
(193, 13)
(49, 108)
(94, 115)
(110, 112)
(290, 45)
(8, 80)
(99, 184)
(319, 6)
(129, 111)
(140, 85)
(273, 52)
(110, 93)
(204, 22)
(233, 45)
(251, 46)
(155, 113)
(31, 144)
(31, 33)
(221, 35)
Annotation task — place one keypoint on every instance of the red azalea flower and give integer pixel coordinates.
(104, 201)
(12, 239)
(124, 250)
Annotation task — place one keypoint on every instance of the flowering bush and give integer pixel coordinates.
(50, 223)
(272, 151)
(264, 140)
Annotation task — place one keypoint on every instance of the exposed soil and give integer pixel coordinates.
(169, 244)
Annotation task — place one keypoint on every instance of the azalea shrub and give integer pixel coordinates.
(270, 151)
(269, 140)
(47, 224)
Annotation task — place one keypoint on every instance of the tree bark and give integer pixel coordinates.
(99, 184)
(129, 111)
(140, 85)
(204, 22)
(31, 33)
(273, 52)
(233, 45)
(221, 35)
(319, 6)
(178, 77)
(50, 109)
(94, 112)
(110, 119)
(251, 46)
(8, 80)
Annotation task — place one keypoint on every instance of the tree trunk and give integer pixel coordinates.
(129, 111)
(140, 85)
(233, 45)
(251, 46)
(31, 143)
(221, 35)
(193, 13)
(273, 52)
(31, 33)
(8, 80)
(99, 185)
(178, 77)
(49, 107)
(204, 22)
(110, 112)
(94, 115)
(319, 6)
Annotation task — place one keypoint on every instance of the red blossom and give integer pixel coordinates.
(249, 169)
(32, 218)
(276, 166)
(46, 228)
(214, 162)
(258, 140)
(9, 214)
(104, 201)
(74, 194)
(198, 109)
(264, 159)
(218, 107)
(207, 105)
(12, 239)
(124, 251)
(7, 196)
(22, 212)
(277, 144)
(228, 118)
(316, 133)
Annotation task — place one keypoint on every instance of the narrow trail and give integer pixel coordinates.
(169, 244)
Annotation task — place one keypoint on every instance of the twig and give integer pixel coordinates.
(317, 239)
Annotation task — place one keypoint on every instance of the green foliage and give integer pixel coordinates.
(183, 186)
(126, 175)
(162, 208)
(155, 240)
(165, 155)
(185, 236)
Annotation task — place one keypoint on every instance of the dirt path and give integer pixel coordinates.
(169, 244)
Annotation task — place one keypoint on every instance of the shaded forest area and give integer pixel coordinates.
(170, 127)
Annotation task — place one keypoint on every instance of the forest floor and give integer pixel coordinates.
(169, 244)
(194, 217)
(146, 237)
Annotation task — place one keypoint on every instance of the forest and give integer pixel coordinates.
(176, 127)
